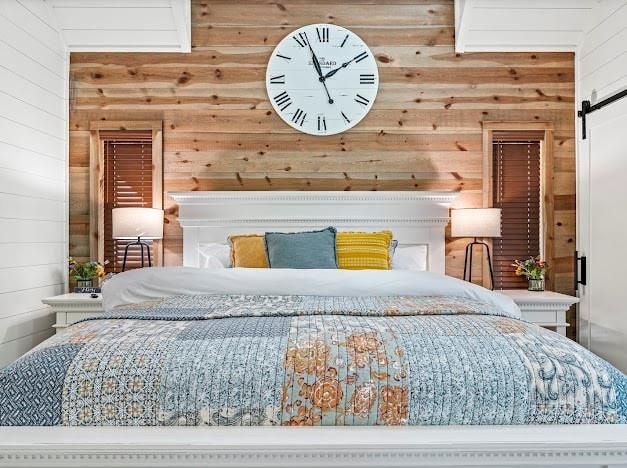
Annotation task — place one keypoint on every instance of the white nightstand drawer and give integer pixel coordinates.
(544, 308)
(541, 316)
(71, 308)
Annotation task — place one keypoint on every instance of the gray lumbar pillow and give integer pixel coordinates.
(303, 250)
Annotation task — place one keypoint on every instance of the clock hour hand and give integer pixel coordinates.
(335, 70)
(358, 58)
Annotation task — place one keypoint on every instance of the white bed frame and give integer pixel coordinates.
(415, 218)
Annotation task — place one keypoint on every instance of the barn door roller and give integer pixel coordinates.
(588, 108)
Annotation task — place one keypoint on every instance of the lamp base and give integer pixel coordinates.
(468, 262)
(141, 244)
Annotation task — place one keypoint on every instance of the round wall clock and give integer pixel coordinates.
(322, 79)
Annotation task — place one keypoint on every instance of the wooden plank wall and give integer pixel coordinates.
(423, 133)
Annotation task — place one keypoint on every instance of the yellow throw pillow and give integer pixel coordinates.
(248, 251)
(363, 250)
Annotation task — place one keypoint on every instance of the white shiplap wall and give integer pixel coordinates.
(602, 56)
(33, 173)
(36, 37)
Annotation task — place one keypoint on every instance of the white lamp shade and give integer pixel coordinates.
(131, 223)
(476, 222)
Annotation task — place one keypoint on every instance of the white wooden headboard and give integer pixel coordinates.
(416, 218)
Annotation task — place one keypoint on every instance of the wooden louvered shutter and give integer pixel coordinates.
(128, 182)
(517, 191)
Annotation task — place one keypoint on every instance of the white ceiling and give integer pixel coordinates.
(521, 25)
(123, 25)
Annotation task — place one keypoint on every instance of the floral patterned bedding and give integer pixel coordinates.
(309, 360)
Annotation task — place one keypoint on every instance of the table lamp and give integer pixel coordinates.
(476, 223)
(137, 223)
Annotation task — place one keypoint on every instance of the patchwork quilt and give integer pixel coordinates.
(309, 360)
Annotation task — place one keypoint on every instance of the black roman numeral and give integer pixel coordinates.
(301, 39)
(322, 123)
(283, 100)
(279, 79)
(299, 115)
(360, 57)
(366, 78)
(345, 118)
(284, 57)
(344, 41)
(323, 34)
(362, 100)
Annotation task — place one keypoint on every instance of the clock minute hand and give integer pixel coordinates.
(319, 70)
(316, 64)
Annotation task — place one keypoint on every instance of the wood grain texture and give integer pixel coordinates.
(424, 131)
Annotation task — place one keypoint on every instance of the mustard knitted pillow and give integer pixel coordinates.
(248, 251)
(363, 250)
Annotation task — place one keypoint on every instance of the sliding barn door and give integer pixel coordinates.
(602, 233)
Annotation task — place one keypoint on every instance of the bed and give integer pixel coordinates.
(239, 347)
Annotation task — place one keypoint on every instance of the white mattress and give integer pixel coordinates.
(153, 283)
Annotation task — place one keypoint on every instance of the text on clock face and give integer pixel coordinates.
(322, 79)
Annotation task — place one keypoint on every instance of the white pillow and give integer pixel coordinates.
(215, 255)
(413, 258)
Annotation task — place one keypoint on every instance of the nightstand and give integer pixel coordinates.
(70, 308)
(544, 308)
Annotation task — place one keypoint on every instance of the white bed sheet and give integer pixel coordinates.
(155, 283)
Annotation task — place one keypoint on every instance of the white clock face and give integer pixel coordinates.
(325, 99)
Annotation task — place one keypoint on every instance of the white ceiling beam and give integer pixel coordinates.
(514, 26)
(462, 22)
(123, 26)
(181, 10)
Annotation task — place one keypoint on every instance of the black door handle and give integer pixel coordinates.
(580, 279)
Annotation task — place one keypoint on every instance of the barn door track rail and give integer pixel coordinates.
(588, 108)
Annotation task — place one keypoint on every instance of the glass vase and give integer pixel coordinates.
(536, 285)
